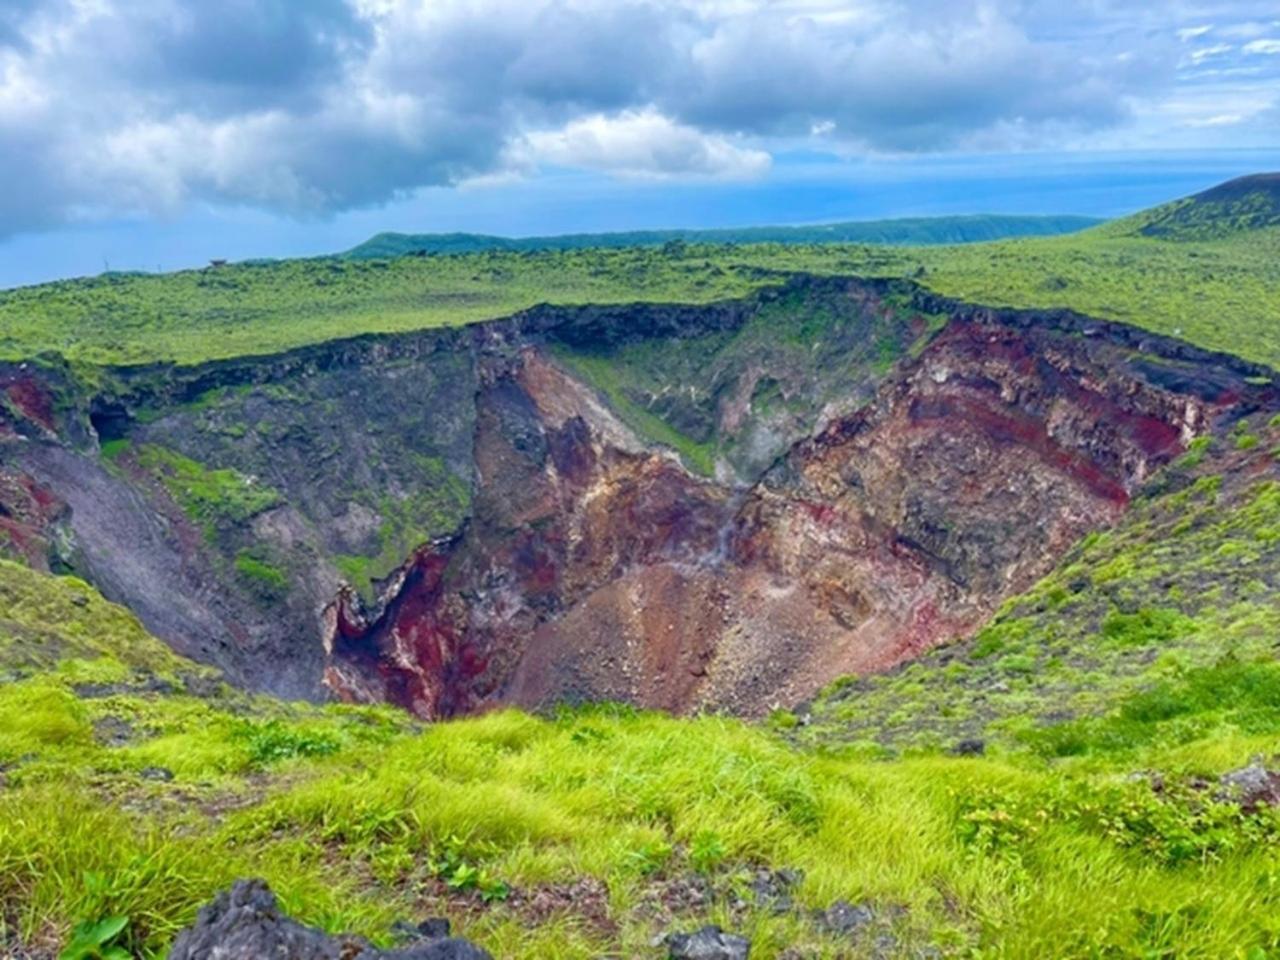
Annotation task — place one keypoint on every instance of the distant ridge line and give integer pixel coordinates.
(905, 231)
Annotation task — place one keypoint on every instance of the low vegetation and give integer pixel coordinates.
(1222, 293)
(904, 231)
(212, 498)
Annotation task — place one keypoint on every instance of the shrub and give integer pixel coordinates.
(272, 741)
(1147, 627)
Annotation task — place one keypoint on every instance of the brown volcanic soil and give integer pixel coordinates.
(595, 569)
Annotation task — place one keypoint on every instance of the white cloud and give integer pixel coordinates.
(1269, 46)
(1205, 53)
(1218, 120)
(644, 144)
(312, 106)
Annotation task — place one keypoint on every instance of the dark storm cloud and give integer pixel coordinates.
(265, 48)
(311, 106)
(217, 58)
(910, 84)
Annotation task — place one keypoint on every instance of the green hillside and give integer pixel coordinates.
(1222, 294)
(909, 231)
(1242, 205)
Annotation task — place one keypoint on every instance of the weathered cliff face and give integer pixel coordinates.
(595, 569)
(226, 504)
(679, 507)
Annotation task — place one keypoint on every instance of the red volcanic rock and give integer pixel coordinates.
(28, 514)
(596, 568)
(30, 399)
(860, 517)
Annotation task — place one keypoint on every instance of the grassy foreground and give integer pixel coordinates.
(1220, 293)
(580, 835)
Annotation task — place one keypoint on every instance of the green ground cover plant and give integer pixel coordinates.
(212, 498)
(1222, 293)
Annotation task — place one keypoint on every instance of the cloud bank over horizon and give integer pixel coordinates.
(143, 108)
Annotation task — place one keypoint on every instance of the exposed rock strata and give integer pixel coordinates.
(863, 511)
(593, 568)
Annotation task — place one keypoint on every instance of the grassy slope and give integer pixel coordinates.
(1244, 204)
(913, 230)
(1223, 294)
(354, 815)
(249, 309)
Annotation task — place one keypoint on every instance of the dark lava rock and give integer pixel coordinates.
(204, 686)
(161, 774)
(435, 928)
(970, 748)
(843, 918)
(709, 943)
(148, 684)
(244, 923)
(683, 894)
(772, 889)
(1252, 786)
(112, 731)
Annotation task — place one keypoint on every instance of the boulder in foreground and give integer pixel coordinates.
(245, 923)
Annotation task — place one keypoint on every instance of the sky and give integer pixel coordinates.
(155, 134)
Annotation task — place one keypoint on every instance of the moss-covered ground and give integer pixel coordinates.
(1222, 292)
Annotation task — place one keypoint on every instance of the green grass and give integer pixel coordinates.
(1219, 293)
(264, 574)
(1242, 205)
(215, 499)
(357, 817)
(603, 373)
(248, 309)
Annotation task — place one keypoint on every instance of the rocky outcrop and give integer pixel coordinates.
(1251, 787)
(681, 507)
(709, 943)
(245, 923)
(596, 567)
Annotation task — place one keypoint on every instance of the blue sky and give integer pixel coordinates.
(153, 134)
